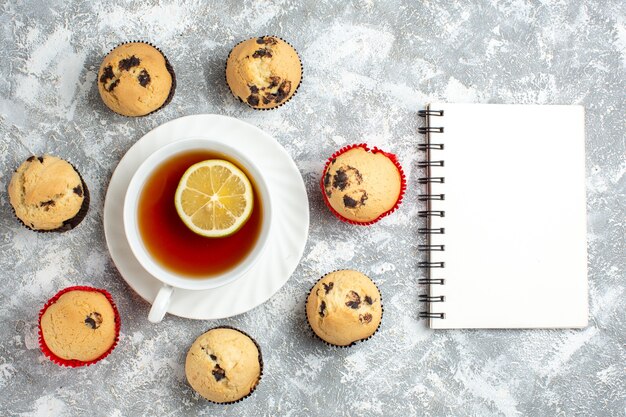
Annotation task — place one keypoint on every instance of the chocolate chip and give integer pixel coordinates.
(107, 74)
(368, 299)
(40, 159)
(93, 320)
(78, 190)
(260, 53)
(340, 179)
(47, 204)
(218, 373)
(213, 357)
(354, 301)
(322, 308)
(283, 91)
(333, 161)
(270, 40)
(143, 78)
(253, 100)
(349, 202)
(254, 89)
(327, 179)
(346, 176)
(352, 203)
(128, 63)
(285, 88)
(31, 158)
(328, 287)
(265, 100)
(113, 85)
(260, 40)
(274, 81)
(365, 318)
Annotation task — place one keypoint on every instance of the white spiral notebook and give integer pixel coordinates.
(505, 216)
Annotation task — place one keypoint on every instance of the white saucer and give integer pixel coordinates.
(290, 226)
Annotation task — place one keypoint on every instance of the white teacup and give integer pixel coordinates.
(170, 279)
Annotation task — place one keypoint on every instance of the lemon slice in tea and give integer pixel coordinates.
(214, 198)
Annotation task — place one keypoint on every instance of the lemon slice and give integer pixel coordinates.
(214, 198)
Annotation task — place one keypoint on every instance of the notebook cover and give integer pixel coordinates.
(515, 216)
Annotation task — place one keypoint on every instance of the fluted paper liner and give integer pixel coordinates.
(258, 348)
(75, 363)
(374, 150)
(68, 224)
(168, 67)
(382, 313)
(284, 102)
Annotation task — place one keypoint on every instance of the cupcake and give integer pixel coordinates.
(264, 72)
(79, 326)
(361, 186)
(224, 365)
(48, 194)
(136, 79)
(344, 307)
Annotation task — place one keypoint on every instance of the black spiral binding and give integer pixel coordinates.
(427, 213)
(427, 180)
(424, 164)
(426, 197)
(431, 247)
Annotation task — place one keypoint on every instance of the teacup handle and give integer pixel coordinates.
(161, 303)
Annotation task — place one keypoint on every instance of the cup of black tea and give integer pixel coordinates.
(167, 247)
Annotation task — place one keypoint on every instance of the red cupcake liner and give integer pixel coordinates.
(374, 150)
(74, 363)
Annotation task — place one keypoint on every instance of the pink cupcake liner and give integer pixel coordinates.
(74, 363)
(374, 150)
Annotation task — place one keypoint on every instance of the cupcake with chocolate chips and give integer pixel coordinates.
(263, 72)
(344, 307)
(79, 326)
(48, 194)
(136, 79)
(362, 185)
(224, 365)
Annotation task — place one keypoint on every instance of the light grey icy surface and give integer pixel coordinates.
(369, 66)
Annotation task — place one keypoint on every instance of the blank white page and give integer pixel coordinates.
(515, 216)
